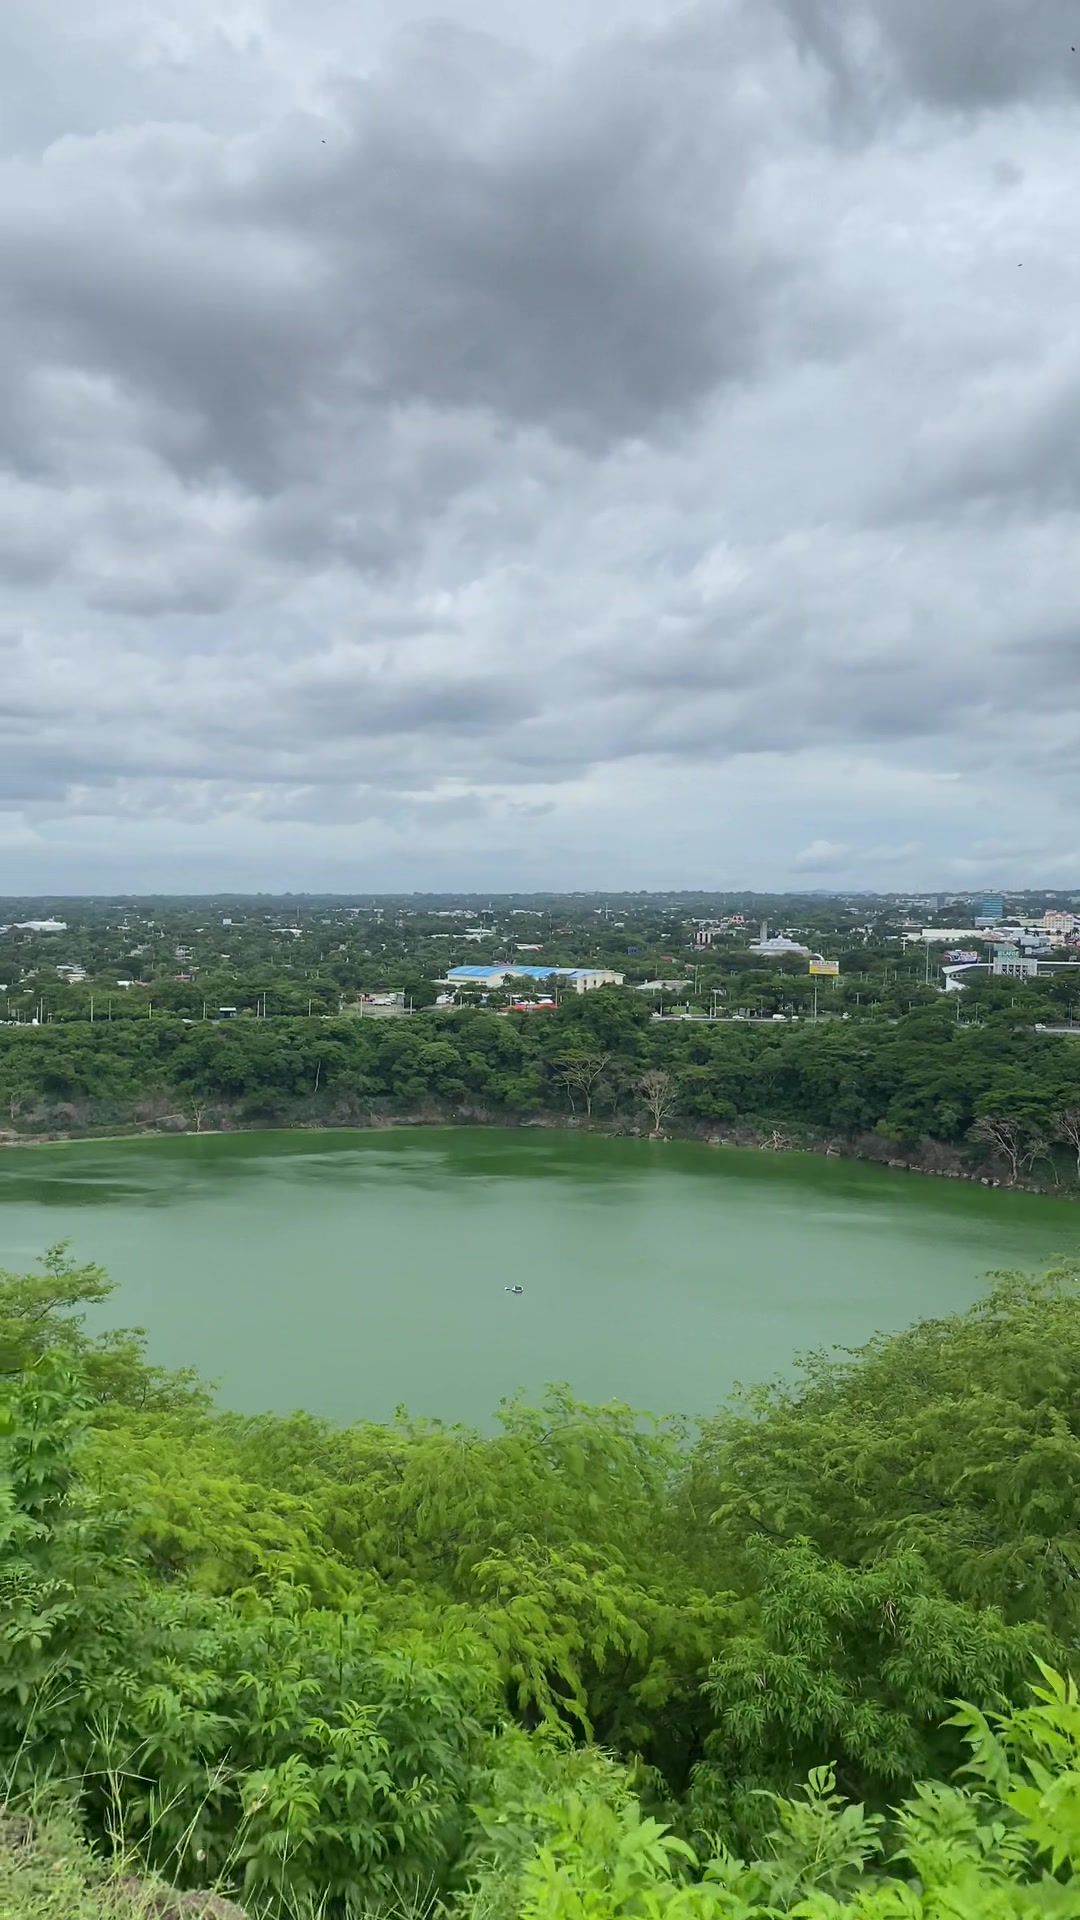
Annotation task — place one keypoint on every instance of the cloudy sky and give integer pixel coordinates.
(537, 445)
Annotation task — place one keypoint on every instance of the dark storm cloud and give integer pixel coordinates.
(574, 259)
(950, 53)
(37, 764)
(563, 268)
(208, 337)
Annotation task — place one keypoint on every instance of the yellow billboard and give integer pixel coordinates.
(825, 969)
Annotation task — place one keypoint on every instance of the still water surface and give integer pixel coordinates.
(349, 1273)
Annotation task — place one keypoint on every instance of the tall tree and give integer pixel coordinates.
(660, 1090)
(583, 1070)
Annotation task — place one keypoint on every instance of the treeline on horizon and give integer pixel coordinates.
(1001, 1091)
(592, 1667)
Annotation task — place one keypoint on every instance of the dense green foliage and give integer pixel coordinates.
(133, 1004)
(1004, 1845)
(921, 1079)
(578, 1670)
(184, 955)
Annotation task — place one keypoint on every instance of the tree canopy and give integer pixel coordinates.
(996, 1093)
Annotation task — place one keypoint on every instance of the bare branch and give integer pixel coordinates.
(1006, 1137)
(1067, 1128)
(661, 1091)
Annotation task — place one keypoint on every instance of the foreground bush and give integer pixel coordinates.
(573, 1670)
(1003, 1847)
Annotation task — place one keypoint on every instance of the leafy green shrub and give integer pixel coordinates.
(1005, 1847)
(341, 1669)
(220, 1734)
(287, 1746)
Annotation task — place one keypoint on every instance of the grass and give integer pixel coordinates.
(50, 1875)
(47, 1872)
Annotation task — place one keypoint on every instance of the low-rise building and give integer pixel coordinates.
(1014, 964)
(950, 936)
(492, 978)
(776, 947)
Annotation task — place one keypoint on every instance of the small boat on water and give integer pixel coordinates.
(513, 1289)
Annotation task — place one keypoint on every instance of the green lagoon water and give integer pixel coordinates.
(348, 1273)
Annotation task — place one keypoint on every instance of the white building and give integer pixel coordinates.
(573, 979)
(948, 936)
(778, 946)
(1013, 964)
(1030, 941)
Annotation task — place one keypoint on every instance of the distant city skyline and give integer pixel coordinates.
(465, 901)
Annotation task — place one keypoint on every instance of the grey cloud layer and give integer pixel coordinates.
(560, 250)
(470, 417)
(968, 54)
